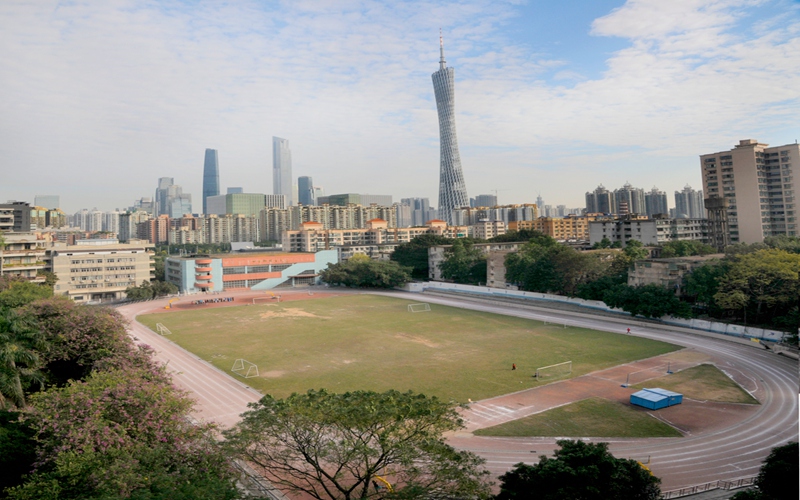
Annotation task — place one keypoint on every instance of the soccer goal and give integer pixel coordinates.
(415, 308)
(263, 299)
(553, 371)
(244, 368)
(162, 330)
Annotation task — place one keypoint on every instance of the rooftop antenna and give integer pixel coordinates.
(442, 62)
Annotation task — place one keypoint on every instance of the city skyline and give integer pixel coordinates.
(102, 98)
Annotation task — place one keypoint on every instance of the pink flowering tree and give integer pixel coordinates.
(122, 434)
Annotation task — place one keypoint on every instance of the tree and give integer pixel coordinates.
(20, 362)
(414, 254)
(518, 235)
(365, 272)
(581, 471)
(78, 339)
(765, 282)
(122, 434)
(685, 248)
(142, 292)
(702, 284)
(777, 479)
(16, 291)
(334, 446)
(650, 301)
(464, 263)
(17, 449)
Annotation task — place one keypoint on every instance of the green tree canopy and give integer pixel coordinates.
(685, 248)
(777, 479)
(579, 470)
(365, 272)
(650, 301)
(414, 254)
(16, 292)
(765, 283)
(20, 360)
(334, 446)
(520, 235)
(464, 263)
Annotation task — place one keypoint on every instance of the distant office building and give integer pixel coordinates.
(47, 201)
(655, 202)
(282, 169)
(689, 204)
(171, 200)
(505, 213)
(486, 200)
(384, 200)
(235, 190)
(452, 188)
(760, 186)
(243, 203)
(632, 197)
(539, 201)
(601, 201)
(319, 192)
(162, 195)
(128, 222)
(210, 176)
(305, 191)
(111, 222)
(144, 204)
(419, 212)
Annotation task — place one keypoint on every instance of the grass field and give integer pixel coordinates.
(372, 342)
(594, 417)
(703, 382)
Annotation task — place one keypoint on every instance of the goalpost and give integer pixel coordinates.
(263, 299)
(423, 307)
(556, 370)
(162, 330)
(244, 368)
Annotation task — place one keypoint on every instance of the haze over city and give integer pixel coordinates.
(100, 99)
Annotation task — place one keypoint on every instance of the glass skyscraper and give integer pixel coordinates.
(452, 189)
(210, 177)
(282, 169)
(305, 191)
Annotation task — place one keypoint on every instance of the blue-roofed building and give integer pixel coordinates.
(656, 398)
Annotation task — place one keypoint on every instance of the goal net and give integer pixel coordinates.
(415, 308)
(162, 330)
(244, 368)
(263, 299)
(554, 371)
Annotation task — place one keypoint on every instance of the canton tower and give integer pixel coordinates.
(452, 190)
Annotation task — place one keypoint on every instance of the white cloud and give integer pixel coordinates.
(108, 96)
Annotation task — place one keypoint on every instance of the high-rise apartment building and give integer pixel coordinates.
(655, 202)
(305, 191)
(689, 204)
(210, 176)
(282, 169)
(452, 189)
(601, 201)
(759, 184)
(631, 197)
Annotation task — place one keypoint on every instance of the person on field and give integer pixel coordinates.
(513, 366)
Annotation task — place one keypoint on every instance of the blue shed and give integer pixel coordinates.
(656, 399)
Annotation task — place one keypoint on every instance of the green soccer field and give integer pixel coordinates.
(370, 342)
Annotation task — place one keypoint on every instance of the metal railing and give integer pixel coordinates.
(722, 484)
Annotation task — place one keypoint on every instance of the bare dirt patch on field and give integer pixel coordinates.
(289, 313)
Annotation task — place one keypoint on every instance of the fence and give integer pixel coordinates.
(713, 485)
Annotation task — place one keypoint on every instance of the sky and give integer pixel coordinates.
(98, 99)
